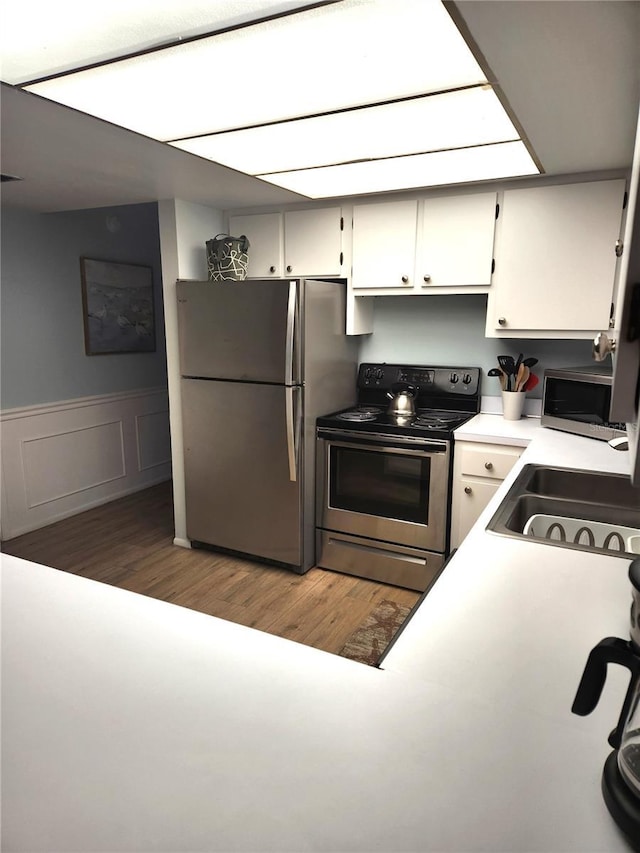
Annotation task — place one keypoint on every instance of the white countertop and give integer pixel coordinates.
(135, 725)
(494, 429)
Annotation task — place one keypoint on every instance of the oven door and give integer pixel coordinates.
(384, 487)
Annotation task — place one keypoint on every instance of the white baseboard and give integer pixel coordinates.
(182, 543)
(63, 458)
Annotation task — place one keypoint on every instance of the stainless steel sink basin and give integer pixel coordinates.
(578, 502)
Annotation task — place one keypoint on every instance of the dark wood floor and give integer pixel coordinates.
(129, 543)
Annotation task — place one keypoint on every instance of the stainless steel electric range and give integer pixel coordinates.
(384, 480)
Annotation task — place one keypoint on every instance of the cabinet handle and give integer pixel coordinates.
(502, 321)
(405, 279)
(488, 466)
(272, 269)
(427, 278)
(289, 268)
(468, 490)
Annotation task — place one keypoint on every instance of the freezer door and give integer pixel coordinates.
(246, 331)
(242, 473)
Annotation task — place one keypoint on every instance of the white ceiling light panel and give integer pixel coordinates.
(39, 38)
(352, 53)
(451, 120)
(490, 162)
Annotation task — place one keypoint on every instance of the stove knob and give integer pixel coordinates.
(453, 378)
(466, 378)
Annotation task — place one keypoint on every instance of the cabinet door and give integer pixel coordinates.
(384, 241)
(555, 257)
(313, 242)
(264, 231)
(469, 498)
(478, 471)
(455, 246)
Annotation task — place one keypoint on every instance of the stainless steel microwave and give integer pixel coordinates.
(578, 399)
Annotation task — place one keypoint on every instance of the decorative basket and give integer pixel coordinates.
(227, 258)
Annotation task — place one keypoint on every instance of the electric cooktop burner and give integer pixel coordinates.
(436, 419)
(362, 413)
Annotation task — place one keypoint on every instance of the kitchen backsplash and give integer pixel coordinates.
(449, 330)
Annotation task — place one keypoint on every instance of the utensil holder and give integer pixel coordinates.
(512, 404)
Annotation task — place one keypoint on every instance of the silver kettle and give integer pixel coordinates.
(402, 396)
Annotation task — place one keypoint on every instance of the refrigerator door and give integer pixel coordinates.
(244, 483)
(246, 331)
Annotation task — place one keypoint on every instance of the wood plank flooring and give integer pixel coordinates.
(129, 543)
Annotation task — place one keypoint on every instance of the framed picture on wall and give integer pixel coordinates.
(117, 305)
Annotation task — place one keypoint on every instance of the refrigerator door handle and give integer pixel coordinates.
(292, 444)
(291, 328)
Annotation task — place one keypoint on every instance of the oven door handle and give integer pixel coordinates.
(384, 443)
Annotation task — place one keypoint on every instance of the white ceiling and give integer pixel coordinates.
(569, 69)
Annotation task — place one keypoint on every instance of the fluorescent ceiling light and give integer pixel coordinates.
(40, 37)
(489, 162)
(352, 53)
(328, 98)
(450, 120)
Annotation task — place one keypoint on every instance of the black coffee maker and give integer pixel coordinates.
(621, 774)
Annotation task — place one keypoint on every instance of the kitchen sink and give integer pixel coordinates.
(569, 508)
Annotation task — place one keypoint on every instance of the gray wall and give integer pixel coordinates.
(42, 337)
(449, 330)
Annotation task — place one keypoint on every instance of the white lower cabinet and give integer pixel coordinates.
(478, 470)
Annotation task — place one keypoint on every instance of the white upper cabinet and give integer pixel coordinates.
(313, 242)
(384, 244)
(264, 232)
(455, 243)
(424, 245)
(555, 260)
(297, 243)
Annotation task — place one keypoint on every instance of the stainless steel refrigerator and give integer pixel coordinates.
(259, 360)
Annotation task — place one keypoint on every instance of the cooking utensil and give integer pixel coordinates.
(522, 377)
(529, 362)
(531, 382)
(508, 366)
(495, 371)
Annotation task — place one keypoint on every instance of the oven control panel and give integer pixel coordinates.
(429, 380)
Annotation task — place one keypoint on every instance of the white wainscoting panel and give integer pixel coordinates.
(51, 471)
(153, 439)
(63, 458)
